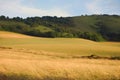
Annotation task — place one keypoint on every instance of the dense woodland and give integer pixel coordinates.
(92, 27)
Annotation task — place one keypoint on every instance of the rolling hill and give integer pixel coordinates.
(92, 27)
(35, 58)
(66, 47)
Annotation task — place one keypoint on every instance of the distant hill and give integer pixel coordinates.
(93, 27)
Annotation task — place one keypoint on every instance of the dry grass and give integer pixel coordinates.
(21, 64)
(4, 34)
(51, 59)
(62, 69)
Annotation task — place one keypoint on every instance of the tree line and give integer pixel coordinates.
(58, 27)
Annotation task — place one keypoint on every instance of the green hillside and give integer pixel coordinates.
(93, 27)
(85, 23)
(91, 23)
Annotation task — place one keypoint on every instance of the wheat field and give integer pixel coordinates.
(31, 58)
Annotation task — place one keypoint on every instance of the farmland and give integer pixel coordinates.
(31, 58)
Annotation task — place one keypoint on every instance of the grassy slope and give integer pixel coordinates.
(112, 23)
(84, 23)
(68, 47)
(87, 23)
(43, 29)
(81, 24)
(50, 59)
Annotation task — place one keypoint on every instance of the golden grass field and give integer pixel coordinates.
(32, 58)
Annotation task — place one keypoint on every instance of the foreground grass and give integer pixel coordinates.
(59, 69)
(18, 64)
(30, 58)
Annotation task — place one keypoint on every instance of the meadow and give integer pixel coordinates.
(31, 58)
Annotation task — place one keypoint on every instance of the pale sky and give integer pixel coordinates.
(65, 8)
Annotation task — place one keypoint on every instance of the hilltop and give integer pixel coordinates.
(93, 27)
